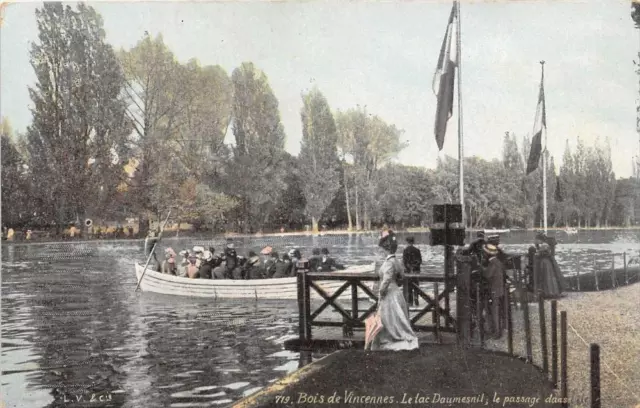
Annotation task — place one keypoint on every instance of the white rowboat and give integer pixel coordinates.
(274, 288)
(496, 231)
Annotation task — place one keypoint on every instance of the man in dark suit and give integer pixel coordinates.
(412, 259)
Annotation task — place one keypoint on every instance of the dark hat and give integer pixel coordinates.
(388, 241)
(411, 240)
(316, 251)
(325, 251)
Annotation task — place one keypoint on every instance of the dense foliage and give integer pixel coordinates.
(135, 133)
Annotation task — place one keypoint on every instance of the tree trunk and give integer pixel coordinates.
(143, 226)
(357, 211)
(314, 225)
(346, 193)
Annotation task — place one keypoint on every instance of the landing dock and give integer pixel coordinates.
(456, 321)
(434, 375)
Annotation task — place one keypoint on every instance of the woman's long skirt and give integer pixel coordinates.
(396, 333)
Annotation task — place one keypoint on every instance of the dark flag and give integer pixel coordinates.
(444, 78)
(538, 126)
(559, 197)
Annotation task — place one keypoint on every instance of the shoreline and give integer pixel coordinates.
(193, 235)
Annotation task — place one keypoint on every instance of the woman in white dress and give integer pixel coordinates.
(396, 333)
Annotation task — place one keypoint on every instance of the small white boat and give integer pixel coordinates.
(571, 231)
(274, 288)
(496, 231)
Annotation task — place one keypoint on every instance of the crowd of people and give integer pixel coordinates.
(542, 275)
(201, 263)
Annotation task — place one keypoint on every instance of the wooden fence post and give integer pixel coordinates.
(354, 300)
(595, 273)
(479, 313)
(527, 329)
(563, 360)
(509, 318)
(301, 307)
(554, 343)
(405, 290)
(626, 274)
(543, 335)
(463, 300)
(595, 376)
(307, 307)
(436, 312)
(613, 271)
(578, 274)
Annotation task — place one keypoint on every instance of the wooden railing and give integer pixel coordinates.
(355, 317)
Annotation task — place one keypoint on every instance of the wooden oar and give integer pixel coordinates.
(153, 250)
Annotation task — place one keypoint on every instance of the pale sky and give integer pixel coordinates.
(383, 55)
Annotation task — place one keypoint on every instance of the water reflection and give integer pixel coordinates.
(72, 325)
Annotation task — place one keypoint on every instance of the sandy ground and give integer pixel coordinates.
(610, 319)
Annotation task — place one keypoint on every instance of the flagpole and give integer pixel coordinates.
(460, 133)
(544, 160)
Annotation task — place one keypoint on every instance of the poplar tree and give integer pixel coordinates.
(318, 159)
(76, 141)
(257, 168)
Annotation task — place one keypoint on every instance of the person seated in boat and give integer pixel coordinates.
(315, 259)
(169, 265)
(252, 269)
(193, 268)
(184, 263)
(548, 280)
(295, 256)
(283, 267)
(206, 267)
(271, 263)
(230, 258)
(238, 271)
(327, 263)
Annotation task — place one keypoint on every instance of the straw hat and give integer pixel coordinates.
(491, 250)
(198, 249)
(207, 255)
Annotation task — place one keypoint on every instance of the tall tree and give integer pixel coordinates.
(318, 159)
(257, 169)
(16, 205)
(157, 96)
(77, 138)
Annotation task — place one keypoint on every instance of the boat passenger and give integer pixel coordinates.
(271, 263)
(327, 263)
(206, 267)
(192, 268)
(230, 258)
(295, 256)
(283, 267)
(184, 263)
(315, 259)
(252, 268)
(169, 265)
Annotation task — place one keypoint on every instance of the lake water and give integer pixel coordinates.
(74, 329)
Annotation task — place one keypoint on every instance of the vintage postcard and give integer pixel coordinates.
(320, 203)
